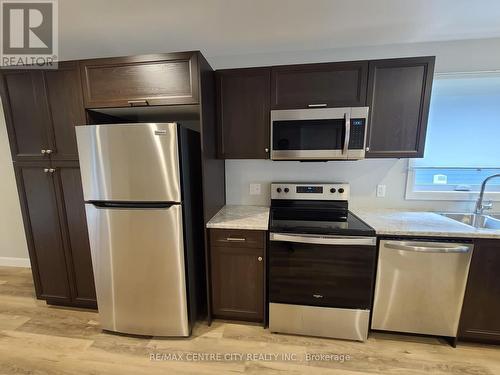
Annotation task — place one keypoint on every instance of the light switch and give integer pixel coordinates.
(254, 189)
(381, 191)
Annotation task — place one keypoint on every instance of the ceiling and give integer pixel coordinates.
(98, 28)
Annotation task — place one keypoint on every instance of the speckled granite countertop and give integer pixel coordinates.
(241, 217)
(409, 223)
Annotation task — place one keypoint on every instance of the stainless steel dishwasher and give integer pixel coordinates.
(420, 286)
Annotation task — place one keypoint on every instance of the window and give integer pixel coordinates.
(463, 140)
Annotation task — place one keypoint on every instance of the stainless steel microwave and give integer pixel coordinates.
(319, 133)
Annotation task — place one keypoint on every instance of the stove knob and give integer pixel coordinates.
(341, 190)
(287, 190)
(278, 190)
(333, 190)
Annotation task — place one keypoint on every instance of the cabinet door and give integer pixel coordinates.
(141, 80)
(238, 283)
(77, 239)
(27, 115)
(319, 85)
(399, 92)
(480, 320)
(243, 100)
(64, 95)
(43, 231)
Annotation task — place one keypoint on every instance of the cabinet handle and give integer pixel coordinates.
(367, 149)
(46, 170)
(43, 151)
(52, 170)
(317, 105)
(266, 149)
(137, 103)
(236, 239)
(317, 296)
(259, 259)
(48, 152)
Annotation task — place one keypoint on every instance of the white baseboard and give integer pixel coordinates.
(15, 262)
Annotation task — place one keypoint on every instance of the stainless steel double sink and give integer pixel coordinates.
(484, 221)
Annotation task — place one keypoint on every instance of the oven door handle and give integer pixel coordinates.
(323, 240)
(347, 119)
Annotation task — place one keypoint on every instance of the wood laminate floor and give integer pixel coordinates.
(39, 339)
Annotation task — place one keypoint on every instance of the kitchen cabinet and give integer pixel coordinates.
(341, 84)
(243, 105)
(237, 262)
(399, 92)
(53, 208)
(163, 79)
(42, 108)
(480, 319)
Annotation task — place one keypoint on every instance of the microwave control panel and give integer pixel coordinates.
(357, 136)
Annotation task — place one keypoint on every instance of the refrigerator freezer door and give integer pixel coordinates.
(138, 261)
(129, 162)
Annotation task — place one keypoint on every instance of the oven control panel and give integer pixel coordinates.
(310, 191)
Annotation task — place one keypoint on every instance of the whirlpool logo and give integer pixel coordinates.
(29, 34)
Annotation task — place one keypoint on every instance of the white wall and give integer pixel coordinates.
(456, 56)
(363, 176)
(13, 249)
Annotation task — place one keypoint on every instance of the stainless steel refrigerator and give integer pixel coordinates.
(142, 189)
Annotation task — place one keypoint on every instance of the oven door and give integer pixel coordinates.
(328, 271)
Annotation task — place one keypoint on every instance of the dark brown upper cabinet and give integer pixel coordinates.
(26, 113)
(243, 108)
(41, 110)
(64, 97)
(480, 319)
(163, 79)
(340, 84)
(399, 92)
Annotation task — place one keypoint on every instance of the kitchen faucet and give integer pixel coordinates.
(480, 207)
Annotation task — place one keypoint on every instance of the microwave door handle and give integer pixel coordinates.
(347, 118)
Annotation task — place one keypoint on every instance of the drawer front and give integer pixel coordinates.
(329, 85)
(321, 275)
(237, 238)
(125, 82)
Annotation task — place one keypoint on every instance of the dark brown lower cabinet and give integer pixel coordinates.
(480, 320)
(238, 274)
(56, 231)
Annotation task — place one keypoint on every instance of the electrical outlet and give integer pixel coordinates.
(381, 191)
(254, 189)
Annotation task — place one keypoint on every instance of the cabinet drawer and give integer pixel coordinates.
(140, 81)
(237, 238)
(329, 85)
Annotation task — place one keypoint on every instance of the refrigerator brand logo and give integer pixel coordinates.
(29, 34)
(160, 132)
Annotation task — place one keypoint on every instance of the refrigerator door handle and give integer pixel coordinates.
(132, 205)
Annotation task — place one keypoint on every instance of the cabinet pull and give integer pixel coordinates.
(259, 259)
(367, 149)
(317, 296)
(43, 152)
(321, 105)
(51, 170)
(46, 170)
(236, 239)
(137, 103)
(266, 149)
(48, 152)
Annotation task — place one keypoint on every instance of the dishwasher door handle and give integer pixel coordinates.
(428, 247)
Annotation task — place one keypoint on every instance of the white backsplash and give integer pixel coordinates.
(363, 176)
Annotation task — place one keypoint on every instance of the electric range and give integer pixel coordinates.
(321, 262)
